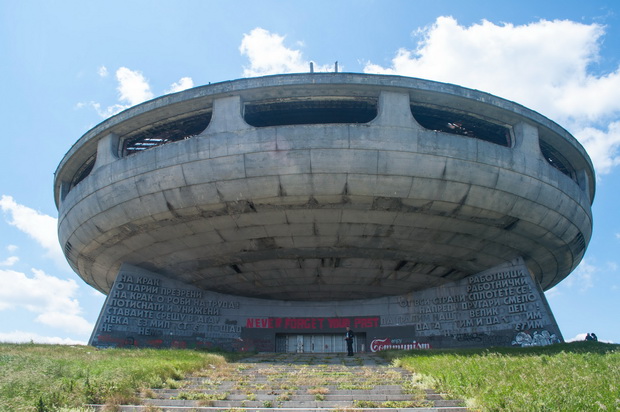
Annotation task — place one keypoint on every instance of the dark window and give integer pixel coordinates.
(555, 159)
(461, 124)
(83, 171)
(310, 112)
(166, 133)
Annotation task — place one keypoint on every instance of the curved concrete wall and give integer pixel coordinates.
(326, 212)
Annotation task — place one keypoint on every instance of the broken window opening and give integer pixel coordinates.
(310, 112)
(555, 159)
(166, 133)
(83, 171)
(461, 124)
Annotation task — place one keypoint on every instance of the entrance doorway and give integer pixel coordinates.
(325, 343)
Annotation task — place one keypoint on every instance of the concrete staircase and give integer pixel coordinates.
(297, 382)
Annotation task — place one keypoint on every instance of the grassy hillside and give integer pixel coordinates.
(578, 376)
(46, 377)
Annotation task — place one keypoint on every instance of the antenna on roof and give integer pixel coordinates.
(311, 67)
(336, 67)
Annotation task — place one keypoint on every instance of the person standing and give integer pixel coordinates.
(349, 338)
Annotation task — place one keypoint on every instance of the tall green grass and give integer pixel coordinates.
(578, 376)
(46, 377)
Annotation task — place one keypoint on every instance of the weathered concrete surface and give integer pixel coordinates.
(325, 211)
(502, 306)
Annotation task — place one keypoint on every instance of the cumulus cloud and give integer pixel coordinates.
(51, 299)
(602, 144)
(268, 55)
(10, 261)
(183, 84)
(26, 337)
(544, 65)
(133, 88)
(39, 226)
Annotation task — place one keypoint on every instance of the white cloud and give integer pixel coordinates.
(582, 336)
(582, 277)
(66, 321)
(26, 337)
(268, 55)
(104, 112)
(184, 83)
(10, 261)
(578, 337)
(543, 65)
(132, 86)
(102, 71)
(39, 226)
(553, 292)
(602, 145)
(52, 299)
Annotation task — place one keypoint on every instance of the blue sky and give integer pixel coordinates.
(66, 66)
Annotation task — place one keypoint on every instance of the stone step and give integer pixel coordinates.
(310, 404)
(146, 408)
(292, 394)
(299, 404)
(327, 397)
(437, 400)
(271, 382)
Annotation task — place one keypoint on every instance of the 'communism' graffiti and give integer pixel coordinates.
(387, 343)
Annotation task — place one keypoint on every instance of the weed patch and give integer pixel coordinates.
(571, 376)
(39, 377)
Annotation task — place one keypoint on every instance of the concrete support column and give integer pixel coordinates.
(64, 189)
(394, 110)
(526, 139)
(583, 181)
(107, 151)
(227, 116)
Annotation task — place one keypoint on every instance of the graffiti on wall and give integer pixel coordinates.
(312, 323)
(542, 338)
(480, 338)
(388, 343)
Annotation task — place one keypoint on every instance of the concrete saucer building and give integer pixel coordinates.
(270, 213)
